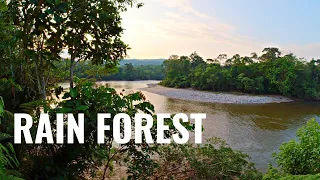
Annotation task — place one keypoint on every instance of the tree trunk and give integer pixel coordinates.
(43, 82)
(43, 88)
(38, 79)
(12, 72)
(71, 72)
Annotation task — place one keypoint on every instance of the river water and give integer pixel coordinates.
(257, 130)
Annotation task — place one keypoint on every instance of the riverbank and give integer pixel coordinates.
(214, 97)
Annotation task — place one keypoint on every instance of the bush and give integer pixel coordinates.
(299, 159)
(76, 161)
(214, 160)
(301, 156)
(9, 163)
(301, 177)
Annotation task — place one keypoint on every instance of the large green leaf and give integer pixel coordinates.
(1, 107)
(82, 108)
(73, 92)
(65, 110)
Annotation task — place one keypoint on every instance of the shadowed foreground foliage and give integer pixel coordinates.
(72, 161)
(34, 33)
(213, 160)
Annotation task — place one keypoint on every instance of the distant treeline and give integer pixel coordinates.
(126, 72)
(137, 62)
(271, 73)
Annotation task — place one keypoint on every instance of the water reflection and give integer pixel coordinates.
(255, 129)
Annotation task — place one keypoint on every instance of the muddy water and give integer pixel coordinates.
(254, 129)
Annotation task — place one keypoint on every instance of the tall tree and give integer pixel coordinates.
(270, 53)
(92, 31)
(37, 23)
(196, 60)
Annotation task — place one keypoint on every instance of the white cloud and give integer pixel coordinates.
(165, 27)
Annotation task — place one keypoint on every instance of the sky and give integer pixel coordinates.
(211, 27)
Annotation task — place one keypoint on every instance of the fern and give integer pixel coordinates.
(6, 121)
(8, 163)
(8, 158)
(4, 137)
(1, 107)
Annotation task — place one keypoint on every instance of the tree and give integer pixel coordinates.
(129, 71)
(196, 60)
(177, 70)
(37, 23)
(91, 30)
(254, 55)
(222, 57)
(274, 74)
(270, 53)
(74, 160)
(247, 60)
(281, 74)
(212, 76)
(236, 59)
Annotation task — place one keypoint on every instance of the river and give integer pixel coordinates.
(256, 129)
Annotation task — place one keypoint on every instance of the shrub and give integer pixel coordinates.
(213, 160)
(301, 156)
(8, 160)
(301, 177)
(73, 161)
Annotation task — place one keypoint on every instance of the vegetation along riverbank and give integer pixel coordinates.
(270, 73)
(35, 34)
(214, 97)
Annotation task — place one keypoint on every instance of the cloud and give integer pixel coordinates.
(183, 6)
(165, 27)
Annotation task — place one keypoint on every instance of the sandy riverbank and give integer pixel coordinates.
(214, 97)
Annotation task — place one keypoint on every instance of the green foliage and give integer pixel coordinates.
(298, 158)
(127, 72)
(1, 107)
(74, 160)
(91, 30)
(269, 74)
(213, 160)
(273, 173)
(34, 33)
(8, 157)
(177, 72)
(37, 33)
(301, 177)
(8, 160)
(8, 163)
(6, 123)
(301, 156)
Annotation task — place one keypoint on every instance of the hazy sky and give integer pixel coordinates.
(211, 27)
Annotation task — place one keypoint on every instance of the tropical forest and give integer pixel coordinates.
(71, 57)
